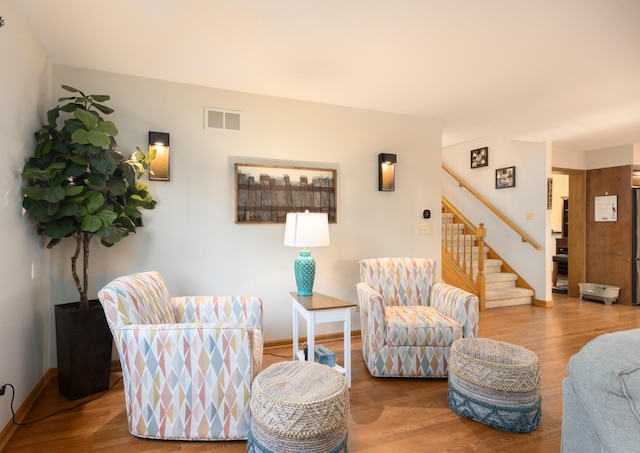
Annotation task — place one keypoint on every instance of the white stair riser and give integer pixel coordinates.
(501, 285)
(507, 302)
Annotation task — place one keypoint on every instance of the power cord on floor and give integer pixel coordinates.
(277, 355)
(301, 347)
(13, 414)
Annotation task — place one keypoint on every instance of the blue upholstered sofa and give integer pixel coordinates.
(601, 396)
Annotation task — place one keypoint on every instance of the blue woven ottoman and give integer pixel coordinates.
(495, 383)
(298, 407)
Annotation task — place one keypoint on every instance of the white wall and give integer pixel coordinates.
(191, 236)
(25, 81)
(609, 157)
(568, 159)
(527, 197)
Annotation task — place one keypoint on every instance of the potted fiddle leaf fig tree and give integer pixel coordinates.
(79, 185)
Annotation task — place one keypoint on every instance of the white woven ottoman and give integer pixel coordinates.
(298, 407)
(495, 383)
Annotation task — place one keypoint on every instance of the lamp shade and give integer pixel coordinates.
(306, 229)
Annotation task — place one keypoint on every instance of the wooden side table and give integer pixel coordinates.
(316, 309)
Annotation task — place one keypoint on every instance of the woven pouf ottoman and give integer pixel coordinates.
(495, 383)
(298, 407)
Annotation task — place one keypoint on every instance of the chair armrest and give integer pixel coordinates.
(373, 322)
(457, 304)
(245, 310)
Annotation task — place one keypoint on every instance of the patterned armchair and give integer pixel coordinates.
(187, 362)
(409, 322)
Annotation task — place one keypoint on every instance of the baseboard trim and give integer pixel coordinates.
(25, 407)
(324, 337)
(543, 303)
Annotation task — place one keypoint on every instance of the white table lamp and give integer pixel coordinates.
(306, 229)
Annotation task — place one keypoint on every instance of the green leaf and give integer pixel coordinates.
(117, 187)
(103, 108)
(108, 127)
(103, 163)
(94, 201)
(67, 210)
(107, 217)
(96, 181)
(40, 210)
(41, 174)
(127, 223)
(50, 194)
(99, 97)
(52, 116)
(89, 119)
(52, 243)
(70, 107)
(98, 138)
(90, 223)
(71, 191)
(75, 170)
(42, 149)
(80, 136)
(71, 89)
(59, 230)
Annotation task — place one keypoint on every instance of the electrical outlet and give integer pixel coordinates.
(425, 228)
(3, 389)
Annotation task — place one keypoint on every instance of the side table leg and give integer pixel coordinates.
(347, 345)
(311, 333)
(295, 332)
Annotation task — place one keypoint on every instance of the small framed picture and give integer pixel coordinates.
(505, 177)
(479, 157)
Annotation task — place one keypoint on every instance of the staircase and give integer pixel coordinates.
(501, 289)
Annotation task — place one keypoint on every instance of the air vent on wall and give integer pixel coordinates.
(221, 119)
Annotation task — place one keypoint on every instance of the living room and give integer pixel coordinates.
(191, 236)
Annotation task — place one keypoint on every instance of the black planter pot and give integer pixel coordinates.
(84, 349)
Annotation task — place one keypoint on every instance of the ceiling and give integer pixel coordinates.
(565, 71)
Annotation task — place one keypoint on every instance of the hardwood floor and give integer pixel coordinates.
(386, 415)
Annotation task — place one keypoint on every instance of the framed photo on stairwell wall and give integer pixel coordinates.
(505, 177)
(479, 157)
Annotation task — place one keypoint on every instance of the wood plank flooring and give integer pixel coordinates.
(387, 414)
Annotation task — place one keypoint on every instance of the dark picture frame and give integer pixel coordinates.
(266, 193)
(480, 157)
(505, 177)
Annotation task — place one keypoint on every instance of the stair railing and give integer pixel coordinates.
(459, 246)
(524, 236)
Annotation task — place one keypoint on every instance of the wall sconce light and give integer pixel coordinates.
(386, 172)
(159, 166)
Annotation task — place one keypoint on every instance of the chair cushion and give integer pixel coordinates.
(420, 326)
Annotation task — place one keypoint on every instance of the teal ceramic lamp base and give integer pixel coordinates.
(305, 269)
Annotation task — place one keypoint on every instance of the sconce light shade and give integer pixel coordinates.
(386, 172)
(159, 166)
(305, 229)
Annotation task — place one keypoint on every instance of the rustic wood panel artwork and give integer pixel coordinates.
(265, 193)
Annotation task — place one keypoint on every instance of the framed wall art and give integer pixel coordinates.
(479, 157)
(266, 193)
(505, 177)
